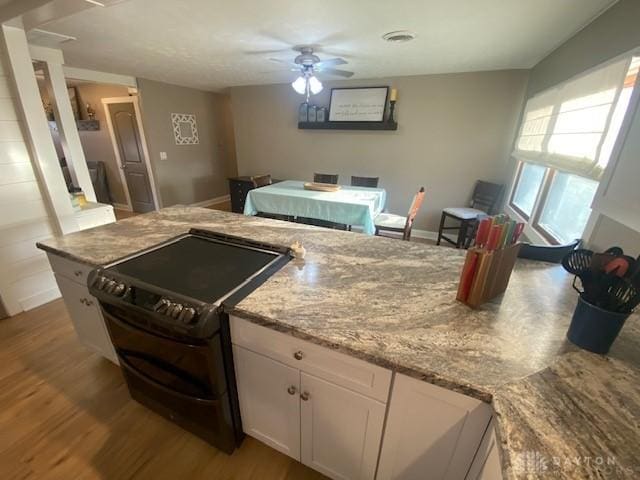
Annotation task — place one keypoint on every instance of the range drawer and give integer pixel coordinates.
(338, 368)
(76, 271)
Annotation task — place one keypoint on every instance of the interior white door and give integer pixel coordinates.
(431, 432)
(340, 430)
(86, 317)
(269, 400)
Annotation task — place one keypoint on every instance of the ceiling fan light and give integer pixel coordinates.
(315, 85)
(300, 85)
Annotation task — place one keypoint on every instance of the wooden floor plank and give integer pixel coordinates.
(65, 413)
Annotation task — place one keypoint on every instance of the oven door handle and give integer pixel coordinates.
(110, 317)
(134, 371)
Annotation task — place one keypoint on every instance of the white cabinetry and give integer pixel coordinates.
(340, 430)
(431, 432)
(306, 401)
(486, 465)
(269, 400)
(82, 306)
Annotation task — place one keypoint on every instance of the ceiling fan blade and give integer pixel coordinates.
(330, 63)
(338, 73)
(285, 62)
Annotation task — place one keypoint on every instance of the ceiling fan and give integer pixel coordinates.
(308, 64)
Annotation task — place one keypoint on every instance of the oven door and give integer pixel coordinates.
(194, 369)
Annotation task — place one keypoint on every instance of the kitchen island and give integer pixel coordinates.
(392, 304)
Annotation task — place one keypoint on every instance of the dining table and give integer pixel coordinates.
(355, 206)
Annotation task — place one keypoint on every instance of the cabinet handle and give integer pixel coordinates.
(304, 396)
(298, 355)
(77, 273)
(292, 390)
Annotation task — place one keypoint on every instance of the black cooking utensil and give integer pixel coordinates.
(622, 296)
(578, 262)
(616, 251)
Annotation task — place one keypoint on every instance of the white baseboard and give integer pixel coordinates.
(426, 234)
(212, 201)
(122, 206)
(40, 298)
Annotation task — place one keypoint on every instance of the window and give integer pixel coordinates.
(565, 142)
(567, 207)
(527, 188)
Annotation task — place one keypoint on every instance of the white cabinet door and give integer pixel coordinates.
(486, 464)
(341, 430)
(431, 432)
(86, 317)
(269, 400)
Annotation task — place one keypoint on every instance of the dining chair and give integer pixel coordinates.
(548, 253)
(484, 200)
(371, 182)
(325, 178)
(398, 223)
(261, 180)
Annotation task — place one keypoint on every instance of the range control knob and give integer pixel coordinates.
(175, 310)
(188, 316)
(119, 289)
(162, 306)
(101, 281)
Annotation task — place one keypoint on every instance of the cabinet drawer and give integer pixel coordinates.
(76, 271)
(338, 368)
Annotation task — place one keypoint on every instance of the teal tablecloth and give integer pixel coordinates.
(349, 205)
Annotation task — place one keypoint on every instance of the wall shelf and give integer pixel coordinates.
(347, 126)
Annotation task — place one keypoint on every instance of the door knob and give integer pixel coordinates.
(298, 355)
(304, 396)
(292, 390)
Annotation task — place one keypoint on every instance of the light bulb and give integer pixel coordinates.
(300, 85)
(315, 85)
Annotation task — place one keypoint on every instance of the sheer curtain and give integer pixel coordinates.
(565, 127)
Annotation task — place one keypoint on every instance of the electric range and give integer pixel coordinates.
(165, 310)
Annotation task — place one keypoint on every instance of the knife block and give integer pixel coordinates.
(490, 276)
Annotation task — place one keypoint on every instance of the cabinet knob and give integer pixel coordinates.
(77, 273)
(304, 396)
(292, 390)
(298, 355)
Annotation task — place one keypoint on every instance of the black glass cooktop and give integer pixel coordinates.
(200, 268)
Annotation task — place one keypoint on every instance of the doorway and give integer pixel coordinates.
(130, 149)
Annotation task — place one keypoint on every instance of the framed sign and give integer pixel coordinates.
(185, 130)
(358, 104)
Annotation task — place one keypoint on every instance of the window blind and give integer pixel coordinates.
(564, 127)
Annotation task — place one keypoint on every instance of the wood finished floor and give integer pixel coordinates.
(65, 413)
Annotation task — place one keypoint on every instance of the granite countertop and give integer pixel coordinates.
(392, 303)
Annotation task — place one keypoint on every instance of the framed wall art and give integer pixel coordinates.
(361, 104)
(185, 129)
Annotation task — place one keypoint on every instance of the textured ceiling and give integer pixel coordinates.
(212, 44)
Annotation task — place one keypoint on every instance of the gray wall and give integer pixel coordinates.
(613, 33)
(191, 173)
(453, 130)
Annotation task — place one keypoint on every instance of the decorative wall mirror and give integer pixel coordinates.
(185, 129)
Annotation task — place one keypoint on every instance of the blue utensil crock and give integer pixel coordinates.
(594, 328)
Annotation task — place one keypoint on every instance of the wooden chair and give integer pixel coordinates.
(325, 178)
(261, 180)
(548, 253)
(371, 182)
(484, 200)
(398, 223)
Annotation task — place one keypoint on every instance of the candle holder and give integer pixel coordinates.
(392, 108)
